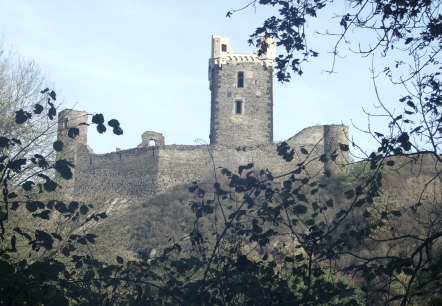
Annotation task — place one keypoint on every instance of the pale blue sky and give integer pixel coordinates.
(145, 63)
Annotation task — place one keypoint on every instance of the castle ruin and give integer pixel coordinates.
(241, 132)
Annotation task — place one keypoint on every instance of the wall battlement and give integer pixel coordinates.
(241, 132)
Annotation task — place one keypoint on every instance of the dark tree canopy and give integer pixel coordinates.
(365, 27)
(257, 239)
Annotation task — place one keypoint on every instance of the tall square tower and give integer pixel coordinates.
(241, 88)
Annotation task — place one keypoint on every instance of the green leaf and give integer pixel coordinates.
(349, 194)
(245, 167)
(411, 104)
(58, 145)
(113, 123)
(38, 108)
(101, 128)
(21, 116)
(299, 209)
(45, 214)
(52, 112)
(73, 206)
(61, 207)
(117, 131)
(310, 222)
(102, 215)
(17, 164)
(344, 147)
(329, 203)
(98, 119)
(66, 251)
(53, 95)
(301, 197)
(4, 142)
(27, 186)
(120, 260)
(63, 167)
(315, 206)
(57, 236)
(44, 239)
(408, 40)
(50, 186)
(84, 209)
(73, 132)
(90, 238)
(12, 195)
(304, 151)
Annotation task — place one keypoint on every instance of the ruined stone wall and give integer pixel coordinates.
(142, 172)
(184, 164)
(128, 173)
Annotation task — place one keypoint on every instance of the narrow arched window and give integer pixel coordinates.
(240, 79)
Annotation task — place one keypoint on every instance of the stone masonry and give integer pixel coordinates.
(241, 132)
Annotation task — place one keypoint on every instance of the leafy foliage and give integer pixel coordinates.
(43, 262)
(256, 238)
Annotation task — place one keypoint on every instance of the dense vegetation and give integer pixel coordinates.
(368, 235)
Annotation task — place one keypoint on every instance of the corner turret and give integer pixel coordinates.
(335, 135)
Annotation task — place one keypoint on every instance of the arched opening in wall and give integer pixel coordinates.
(152, 143)
(65, 123)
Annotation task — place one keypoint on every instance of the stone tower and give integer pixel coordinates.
(67, 119)
(241, 88)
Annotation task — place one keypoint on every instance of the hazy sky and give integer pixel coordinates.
(145, 63)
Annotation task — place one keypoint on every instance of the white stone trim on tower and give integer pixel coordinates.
(222, 52)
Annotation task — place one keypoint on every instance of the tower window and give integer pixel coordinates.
(238, 107)
(223, 47)
(240, 79)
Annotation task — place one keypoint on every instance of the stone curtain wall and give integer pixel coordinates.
(142, 172)
(130, 174)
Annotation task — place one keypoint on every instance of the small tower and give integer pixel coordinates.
(67, 119)
(241, 88)
(335, 135)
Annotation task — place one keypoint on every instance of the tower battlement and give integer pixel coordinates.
(222, 52)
